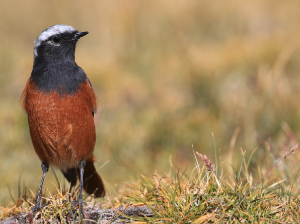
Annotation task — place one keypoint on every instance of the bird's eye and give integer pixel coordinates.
(56, 40)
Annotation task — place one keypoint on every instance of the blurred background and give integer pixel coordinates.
(167, 75)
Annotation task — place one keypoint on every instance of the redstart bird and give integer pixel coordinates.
(60, 103)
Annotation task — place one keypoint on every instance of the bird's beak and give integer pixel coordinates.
(80, 34)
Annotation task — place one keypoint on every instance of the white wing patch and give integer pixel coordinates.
(51, 31)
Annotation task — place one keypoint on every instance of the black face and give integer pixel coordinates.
(57, 48)
(54, 68)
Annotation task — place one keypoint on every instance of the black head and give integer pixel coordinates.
(56, 44)
(54, 67)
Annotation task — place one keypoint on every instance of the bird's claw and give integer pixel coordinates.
(34, 210)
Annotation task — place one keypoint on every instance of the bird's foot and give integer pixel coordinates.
(34, 210)
(78, 203)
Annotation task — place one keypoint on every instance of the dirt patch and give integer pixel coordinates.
(93, 215)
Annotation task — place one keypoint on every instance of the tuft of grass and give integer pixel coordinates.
(198, 196)
(203, 197)
(58, 207)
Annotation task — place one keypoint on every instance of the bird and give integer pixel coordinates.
(60, 104)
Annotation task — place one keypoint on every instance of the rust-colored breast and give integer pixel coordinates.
(62, 127)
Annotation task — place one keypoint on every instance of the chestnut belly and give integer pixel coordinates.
(62, 127)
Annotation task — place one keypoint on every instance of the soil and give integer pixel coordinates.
(92, 215)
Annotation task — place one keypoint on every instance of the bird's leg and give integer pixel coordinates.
(37, 206)
(81, 164)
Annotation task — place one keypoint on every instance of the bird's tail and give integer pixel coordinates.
(92, 182)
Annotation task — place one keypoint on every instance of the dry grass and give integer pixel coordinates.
(201, 196)
(205, 197)
(167, 75)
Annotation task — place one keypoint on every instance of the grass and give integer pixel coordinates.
(201, 196)
(58, 205)
(204, 197)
